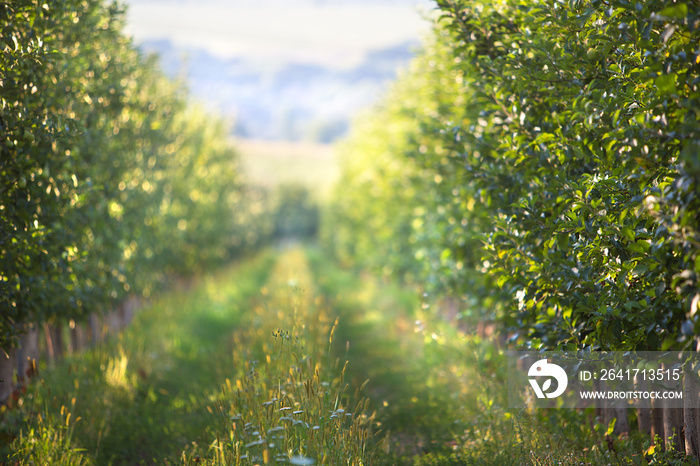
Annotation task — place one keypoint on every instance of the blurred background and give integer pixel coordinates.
(282, 70)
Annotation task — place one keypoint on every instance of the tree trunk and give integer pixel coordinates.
(95, 329)
(599, 404)
(130, 307)
(657, 421)
(619, 414)
(7, 373)
(57, 339)
(28, 354)
(622, 425)
(610, 412)
(679, 427)
(54, 342)
(77, 337)
(673, 424)
(690, 414)
(121, 317)
(524, 363)
(643, 408)
(50, 358)
(115, 319)
(673, 428)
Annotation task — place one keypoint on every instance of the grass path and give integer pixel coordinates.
(143, 396)
(287, 401)
(413, 388)
(439, 394)
(287, 359)
(240, 370)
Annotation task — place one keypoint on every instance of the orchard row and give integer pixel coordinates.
(110, 182)
(541, 163)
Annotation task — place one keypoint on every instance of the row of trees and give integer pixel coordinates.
(540, 162)
(110, 181)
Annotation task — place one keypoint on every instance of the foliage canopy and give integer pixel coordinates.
(109, 181)
(547, 171)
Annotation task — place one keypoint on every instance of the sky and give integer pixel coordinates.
(249, 59)
(332, 33)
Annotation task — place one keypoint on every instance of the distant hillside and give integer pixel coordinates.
(292, 102)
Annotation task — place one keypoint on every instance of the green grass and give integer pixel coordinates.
(145, 395)
(440, 394)
(241, 370)
(287, 359)
(289, 401)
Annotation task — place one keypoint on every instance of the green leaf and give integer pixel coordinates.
(446, 253)
(679, 11)
(666, 83)
(628, 233)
